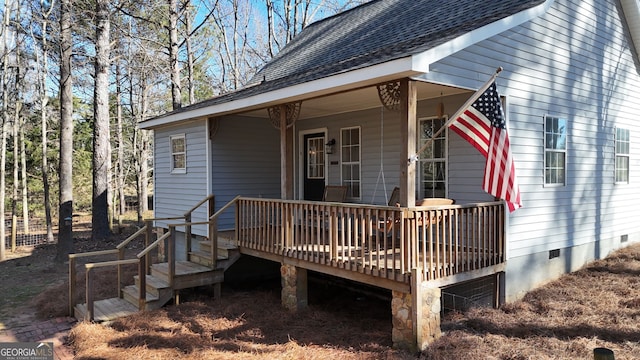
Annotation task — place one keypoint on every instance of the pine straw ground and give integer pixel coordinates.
(598, 306)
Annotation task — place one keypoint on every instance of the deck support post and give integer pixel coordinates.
(416, 315)
(294, 287)
(217, 291)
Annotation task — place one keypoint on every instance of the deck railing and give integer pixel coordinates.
(381, 241)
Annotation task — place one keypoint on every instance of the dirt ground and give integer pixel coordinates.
(598, 306)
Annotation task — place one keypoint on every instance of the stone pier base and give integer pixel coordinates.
(294, 287)
(416, 317)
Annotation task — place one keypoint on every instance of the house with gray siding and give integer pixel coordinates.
(350, 100)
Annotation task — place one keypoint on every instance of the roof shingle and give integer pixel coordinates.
(370, 34)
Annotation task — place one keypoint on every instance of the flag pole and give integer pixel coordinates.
(470, 101)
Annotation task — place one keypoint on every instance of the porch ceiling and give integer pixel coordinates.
(359, 99)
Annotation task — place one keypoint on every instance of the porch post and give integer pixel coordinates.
(286, 156)
(408, 135)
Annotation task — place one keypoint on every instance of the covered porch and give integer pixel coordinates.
(368, 137)
(346, 138)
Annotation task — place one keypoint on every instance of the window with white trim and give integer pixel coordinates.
(178, 154)
(622, 155)
(555, 150)
(350, 155)
(432, 164)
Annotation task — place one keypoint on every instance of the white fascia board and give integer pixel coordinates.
(367, 76)
(631, 10)
(423, 60)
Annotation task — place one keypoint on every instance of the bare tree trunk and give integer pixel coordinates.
(173, 55)
(65, 215)
(190, 65)
(42, 62)
(16, 153)
(5, 117)
(271, 38)
(45, 162)
(16, 180)
(19, 149)
(143, 193)
(120, 180)
(101, 146)
(23, 178)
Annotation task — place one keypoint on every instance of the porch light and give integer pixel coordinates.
(329, 146)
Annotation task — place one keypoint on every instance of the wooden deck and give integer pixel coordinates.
(377, 245)
(372, 244)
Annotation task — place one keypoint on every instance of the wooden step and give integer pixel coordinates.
(224, 247)
(188, 274)
(154, 286)
(205, 245)
(161, 270)
(130, 293)
(106, 310)
(202, 258)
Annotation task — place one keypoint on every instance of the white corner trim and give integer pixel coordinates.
(631, 10)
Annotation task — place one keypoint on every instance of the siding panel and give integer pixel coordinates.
(573, 62)
(177, 193)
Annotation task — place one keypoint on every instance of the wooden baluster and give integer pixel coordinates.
(89, 294)
(72, 284)
(142, 289)
(147, 240)
(171, 254)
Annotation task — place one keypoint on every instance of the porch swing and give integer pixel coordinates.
(389, 95)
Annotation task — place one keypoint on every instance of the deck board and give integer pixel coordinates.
(108, 309)
(182, 268)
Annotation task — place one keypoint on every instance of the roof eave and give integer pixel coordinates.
(403, 67)
(631, 10)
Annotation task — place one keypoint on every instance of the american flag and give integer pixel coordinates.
(482, 124)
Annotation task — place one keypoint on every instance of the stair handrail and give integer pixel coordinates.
(143, 267)
(143, 270)
(225, 207)
(119, 251)
(210, 199)
(89, 315)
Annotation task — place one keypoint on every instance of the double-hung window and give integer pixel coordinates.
(432, 171)
(622, 155)
(350, 153)
(555, 150)
(178, 154)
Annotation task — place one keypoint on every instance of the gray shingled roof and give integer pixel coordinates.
(380, 31)
(373, 33)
